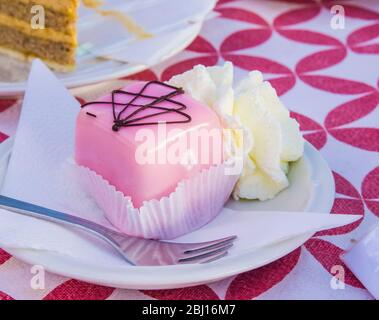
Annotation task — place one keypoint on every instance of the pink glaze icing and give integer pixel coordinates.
(116, 155)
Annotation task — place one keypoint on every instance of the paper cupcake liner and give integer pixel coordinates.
(194, 203)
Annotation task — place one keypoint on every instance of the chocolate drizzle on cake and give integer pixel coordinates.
(133, 119)
(91, 114)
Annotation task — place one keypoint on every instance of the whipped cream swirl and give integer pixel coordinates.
(270, 138)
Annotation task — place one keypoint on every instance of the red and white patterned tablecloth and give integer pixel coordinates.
(329, 78)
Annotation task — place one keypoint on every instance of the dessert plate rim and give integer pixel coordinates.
(170, 277)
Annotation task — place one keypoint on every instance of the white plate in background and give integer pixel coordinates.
(173, 25)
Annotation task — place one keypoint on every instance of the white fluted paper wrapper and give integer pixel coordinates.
(194, 203)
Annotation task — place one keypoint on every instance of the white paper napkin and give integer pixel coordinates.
(37, 173)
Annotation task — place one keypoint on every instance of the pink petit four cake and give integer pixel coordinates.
(152, 158)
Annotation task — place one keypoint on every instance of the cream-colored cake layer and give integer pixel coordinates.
(28, 58)
(62, 22)
(48, 34)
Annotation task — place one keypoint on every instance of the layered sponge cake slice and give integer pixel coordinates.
(42, 29)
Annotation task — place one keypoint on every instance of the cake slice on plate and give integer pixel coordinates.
(24, 35)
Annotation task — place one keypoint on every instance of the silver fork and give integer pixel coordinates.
(136, 251)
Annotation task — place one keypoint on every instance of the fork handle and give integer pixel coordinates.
(32, 210)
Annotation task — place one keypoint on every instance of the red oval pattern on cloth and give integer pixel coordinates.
(4, 296)
(282, 84)
(245, 45)
(193, 293)
(312, 131)
(357, 39)
(257, 63)
(295, 16)
(201, 45)
(350, 203)
(4, 256)
(251, 284)
(328, 255)
(343, 186)
(309, 37)
(298, 1)
(221, 2)
(79, 290)
(146, 75)
(80, 100)
(363, 138)
(3, 137)
(321, 60)
(352, 110)
(242, 15)
(6, 103)
(245, 39)
(370, 191)
(336, 85)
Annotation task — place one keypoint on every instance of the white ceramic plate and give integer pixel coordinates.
(312, 189)
(173, 25)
